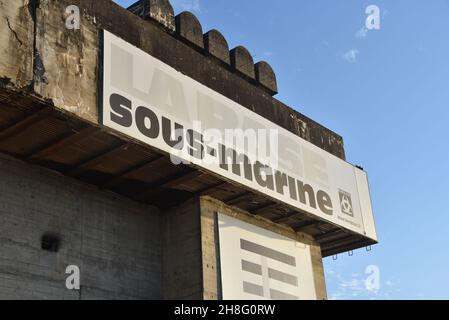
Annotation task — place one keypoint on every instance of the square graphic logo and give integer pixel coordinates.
(283, 271)
(346, 203)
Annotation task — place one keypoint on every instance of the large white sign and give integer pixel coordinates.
(148, 100)
(258, 264)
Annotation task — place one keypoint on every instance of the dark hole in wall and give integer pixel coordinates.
(50, 242)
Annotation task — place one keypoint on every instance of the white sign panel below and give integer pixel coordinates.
(257, 264)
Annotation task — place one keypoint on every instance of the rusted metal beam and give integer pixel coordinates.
(286, 217)
(211, 189)
(168, 183)
(306, 225)
(324, 237)
(264, 207)
(62, 143)
(98, 159)
(183, 179)
(237, 198)
(115, 180)
(24, 124)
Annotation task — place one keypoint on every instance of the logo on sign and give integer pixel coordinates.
(346, 203)
(268, 274)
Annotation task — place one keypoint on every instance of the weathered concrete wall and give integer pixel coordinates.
(181, 263)
(115, 242)
(16, 43)
(68, 73)
(211, 276)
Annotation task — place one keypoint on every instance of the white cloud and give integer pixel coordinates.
(362, 33)
(351, 55)
(354, 287)
(187, 5)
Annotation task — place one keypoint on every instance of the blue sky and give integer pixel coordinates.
(387, 93)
